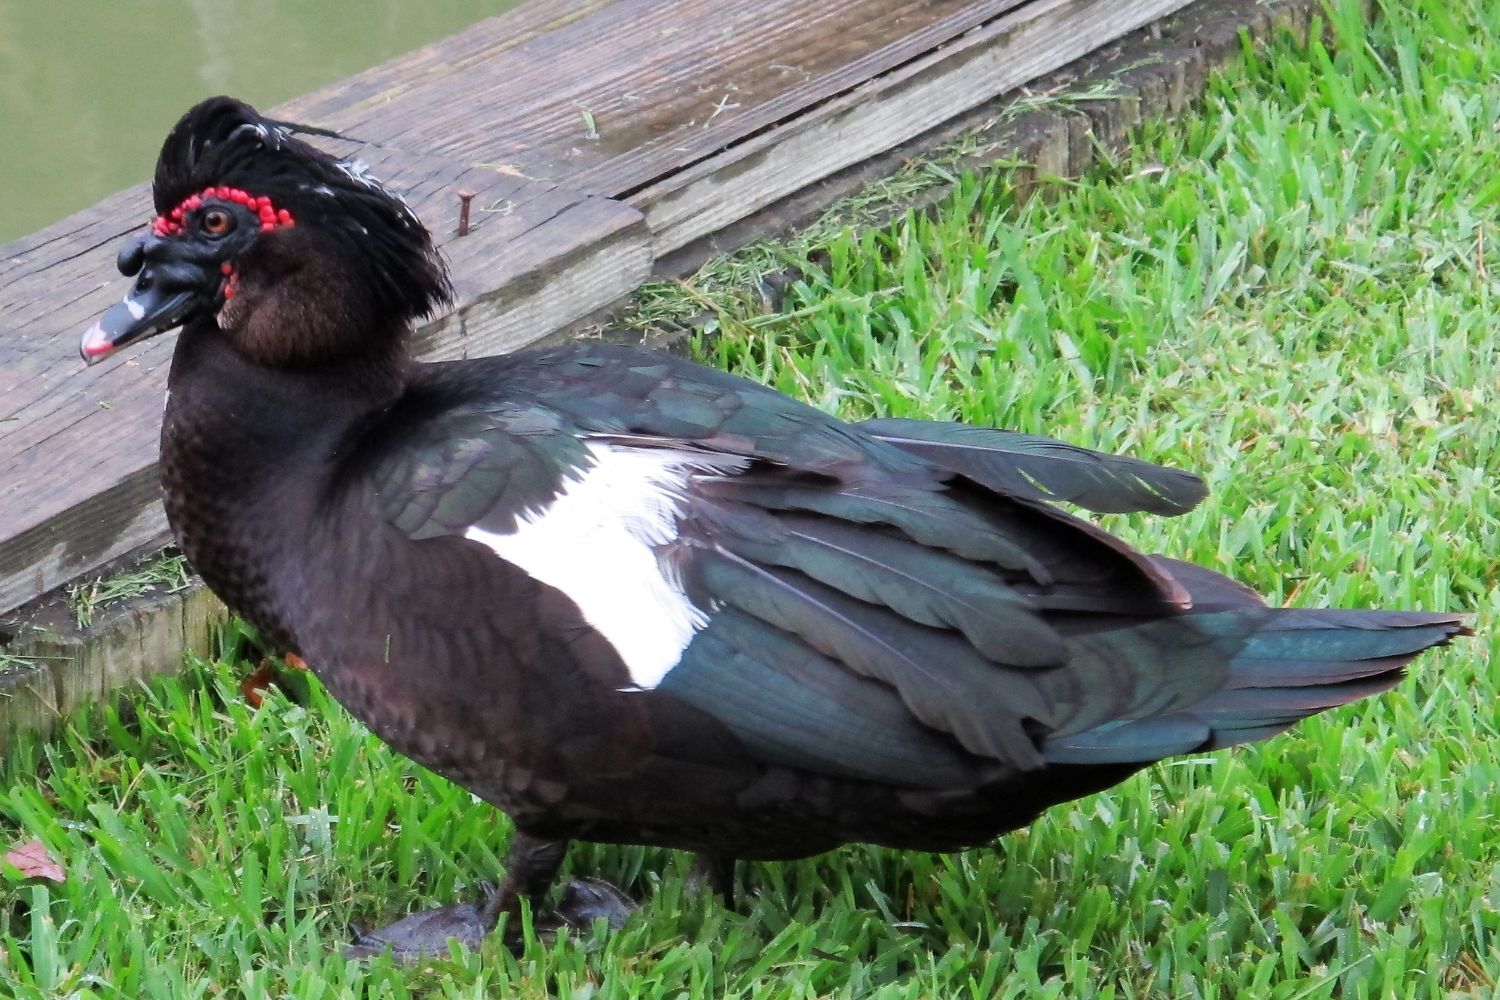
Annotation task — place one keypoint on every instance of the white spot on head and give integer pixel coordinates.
(136, 310)
(268, 135)
(359, 172)
(596, 542)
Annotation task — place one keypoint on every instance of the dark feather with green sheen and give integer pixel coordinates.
(926, 585)
(1041, 468)
(790, 704)
(481, 466)
(972, 708)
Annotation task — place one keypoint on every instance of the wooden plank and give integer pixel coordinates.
(683, 90)
(1034, 144)
(988, 61)
(52, 667)
(664, 82)
(1159, 70)
(78, 445)
(511, 293)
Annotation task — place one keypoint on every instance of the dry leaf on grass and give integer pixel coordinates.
(32, 860)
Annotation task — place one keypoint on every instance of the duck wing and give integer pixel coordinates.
(890, 603)
(1039, 468)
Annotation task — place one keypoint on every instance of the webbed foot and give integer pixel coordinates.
(530, 868)
(426, 934)
(585, 900)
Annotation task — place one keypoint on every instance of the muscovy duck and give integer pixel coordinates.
(627, 598)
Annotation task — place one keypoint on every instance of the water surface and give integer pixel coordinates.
(89, 88)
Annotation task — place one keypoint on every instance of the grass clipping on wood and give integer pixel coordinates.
(1288, 293)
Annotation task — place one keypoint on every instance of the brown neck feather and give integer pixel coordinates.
(295, 309)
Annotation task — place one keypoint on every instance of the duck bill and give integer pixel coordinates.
(173, 281)
(138, 316)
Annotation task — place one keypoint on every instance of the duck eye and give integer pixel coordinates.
(217, 222)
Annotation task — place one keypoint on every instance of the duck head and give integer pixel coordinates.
(297, 257)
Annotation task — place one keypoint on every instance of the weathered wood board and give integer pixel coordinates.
(1021, 43)
(1161, 71)
(702, 111)
(612, 97)
(52, 666)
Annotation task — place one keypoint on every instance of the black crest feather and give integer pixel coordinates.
(223, 141)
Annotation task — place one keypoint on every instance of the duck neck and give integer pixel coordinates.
(258, 414)
(246, 447)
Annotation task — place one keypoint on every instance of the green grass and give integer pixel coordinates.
(1289, 294)
(167, 570)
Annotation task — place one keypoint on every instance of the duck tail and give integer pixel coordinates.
(1283, 665)
(1299, 662)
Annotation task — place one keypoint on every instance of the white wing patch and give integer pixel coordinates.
(596, 542)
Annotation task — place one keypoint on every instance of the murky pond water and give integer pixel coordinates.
(89, 88)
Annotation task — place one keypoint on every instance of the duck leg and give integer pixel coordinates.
(530, 867)
(713, 873)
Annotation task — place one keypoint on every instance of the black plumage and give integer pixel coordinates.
(754, 631)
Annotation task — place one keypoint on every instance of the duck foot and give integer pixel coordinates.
(586, 900)
(531, 866)
(427, 933)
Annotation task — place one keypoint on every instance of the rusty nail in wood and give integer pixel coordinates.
(464, 197)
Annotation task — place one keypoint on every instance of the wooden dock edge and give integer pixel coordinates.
(51, 667)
